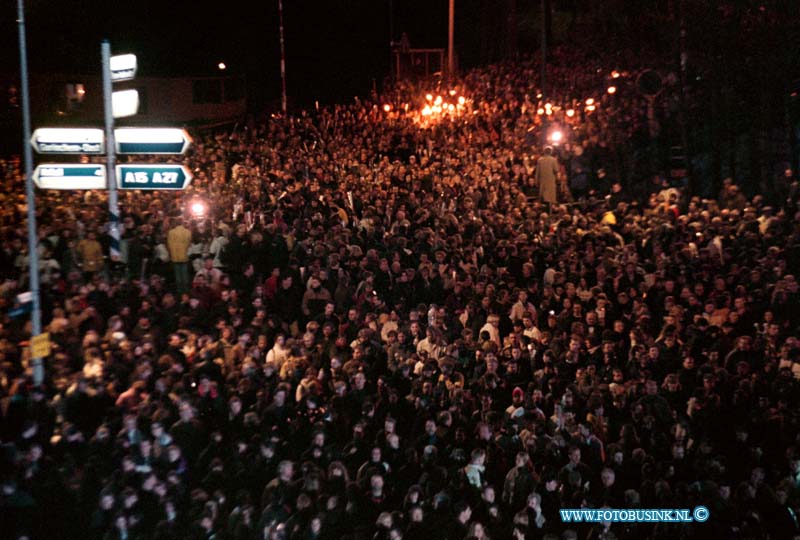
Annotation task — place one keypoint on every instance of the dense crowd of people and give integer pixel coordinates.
(354, 326)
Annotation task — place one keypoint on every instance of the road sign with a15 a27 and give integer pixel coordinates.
(166, 176)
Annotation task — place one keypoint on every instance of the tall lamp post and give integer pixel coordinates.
(450, 34)
(544, 48)
(283, 57)
(27, 152)
(391, 23)
(544, 68)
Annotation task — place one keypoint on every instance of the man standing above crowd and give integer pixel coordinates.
(90, 253)
(547, 176)
(179, 238)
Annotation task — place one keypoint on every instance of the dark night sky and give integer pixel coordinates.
(334, 47)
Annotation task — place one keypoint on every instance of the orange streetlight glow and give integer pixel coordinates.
(198, 208)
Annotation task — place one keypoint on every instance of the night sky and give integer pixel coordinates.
(334, 47)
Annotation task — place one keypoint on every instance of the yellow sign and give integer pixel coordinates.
(40, 345)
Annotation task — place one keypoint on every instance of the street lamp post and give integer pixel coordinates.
(450, 35)
(33, 254)
(391, 23)
(283, 57)
(544, 66)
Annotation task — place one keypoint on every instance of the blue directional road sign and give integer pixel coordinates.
(151, 140)
(165, 176)
(70, 176)
(68, 141)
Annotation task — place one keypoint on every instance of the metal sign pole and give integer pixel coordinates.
(33, 242)
(113, 205)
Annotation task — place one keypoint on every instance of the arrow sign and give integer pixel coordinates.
(151, 140)
(68, 141)
(125, 103)
(123, 67)
(70, 176)
(164, 176)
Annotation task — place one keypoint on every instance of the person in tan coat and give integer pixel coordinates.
(90, 253)
(179, 238)
(547, 176)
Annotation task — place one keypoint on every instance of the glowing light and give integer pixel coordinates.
(590, 108)
(612, 89)
(222, 66)
(615, 74)
(451, 107)
(198, 208)
(437, 109)
(438, 100)
(452, 92)
(556, 136)
(429, 97)
(549, 112)
(548, 106)
(539, 111)
(539, 96)
(387, 107)
(426, 111)
(461, 100)
(590, 101)
(570, 113)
